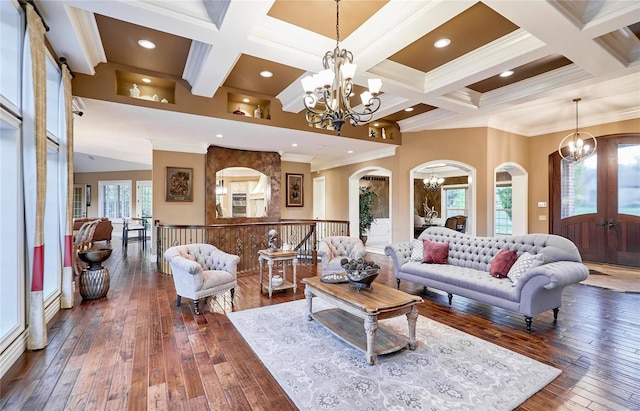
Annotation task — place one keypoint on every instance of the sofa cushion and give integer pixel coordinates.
(524, 263)
(434, 252)
(502, 263)
(417, 250)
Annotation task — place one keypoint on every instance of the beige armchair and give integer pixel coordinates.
(332, 250)
(200, 270)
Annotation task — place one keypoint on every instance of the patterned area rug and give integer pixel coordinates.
(449, 370)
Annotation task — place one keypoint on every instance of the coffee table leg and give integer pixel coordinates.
(412, 318)
(309, 295)
(370, 327)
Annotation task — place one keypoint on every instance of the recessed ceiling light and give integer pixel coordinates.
(147, 44)
(506, 73)
(294, 145)
(219, 135)
(442, 43)
(266, 73)
(376, 124)
(245, 100)
(408, 109)
(350, 151)
(146, 80)
(320, 146)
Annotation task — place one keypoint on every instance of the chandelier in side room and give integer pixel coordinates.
(327, 93)
(578, 145)
(433, 183)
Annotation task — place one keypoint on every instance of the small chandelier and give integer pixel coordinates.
(327, 93)
(433, 183)
(579, 144)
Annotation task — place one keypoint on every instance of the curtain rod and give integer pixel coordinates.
(23, 3)
(63, 62)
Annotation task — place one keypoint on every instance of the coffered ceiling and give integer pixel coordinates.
(558, 50)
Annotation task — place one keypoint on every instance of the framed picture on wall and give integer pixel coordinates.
(179, 184)
(294, 190)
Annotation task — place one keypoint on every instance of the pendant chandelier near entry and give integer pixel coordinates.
(433, 183)
(578, 145)
(327, 93)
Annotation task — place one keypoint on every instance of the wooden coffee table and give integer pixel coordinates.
(355, 318)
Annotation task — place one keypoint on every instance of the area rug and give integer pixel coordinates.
(449, 370)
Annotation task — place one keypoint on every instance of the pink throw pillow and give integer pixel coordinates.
(434, 252)
(502, 263)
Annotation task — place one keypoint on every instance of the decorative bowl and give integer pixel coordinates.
(276, 281)
(95, 256)
(360, 273)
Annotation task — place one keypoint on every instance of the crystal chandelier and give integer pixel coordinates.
(579, 144)
(433, 183)
(327, 93)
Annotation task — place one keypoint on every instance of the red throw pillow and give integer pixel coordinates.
(434, 252)
(502, 263)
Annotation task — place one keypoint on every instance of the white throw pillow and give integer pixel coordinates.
(417, 251)
(524, 263)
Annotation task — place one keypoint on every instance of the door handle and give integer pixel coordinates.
(611, 223)
(602, 222)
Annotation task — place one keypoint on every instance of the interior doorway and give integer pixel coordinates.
(319, 195)
(596, 202)
(510, 204)
(379, 234)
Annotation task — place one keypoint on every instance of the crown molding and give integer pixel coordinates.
(84, 23)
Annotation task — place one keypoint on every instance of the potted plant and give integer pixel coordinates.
(366, 216)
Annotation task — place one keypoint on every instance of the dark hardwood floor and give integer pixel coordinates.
(136, 350)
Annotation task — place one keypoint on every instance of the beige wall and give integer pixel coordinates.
(93, 178)
(178, 212)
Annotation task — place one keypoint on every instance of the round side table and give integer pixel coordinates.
(95, 280)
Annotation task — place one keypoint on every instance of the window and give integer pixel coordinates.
(579, 187)
(503, 207)
(12, 278)
(114, 199)
(455, 201)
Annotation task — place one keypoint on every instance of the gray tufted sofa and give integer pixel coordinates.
(201, 270)
(467, 270)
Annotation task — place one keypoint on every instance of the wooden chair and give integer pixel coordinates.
(458, 223)
(134, 224)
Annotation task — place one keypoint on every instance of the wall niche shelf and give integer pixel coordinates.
(163, 90)
(382, 131)
(245, 105)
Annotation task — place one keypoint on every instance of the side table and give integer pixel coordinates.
(271, 257)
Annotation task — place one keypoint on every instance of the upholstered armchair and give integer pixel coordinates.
(332, 250)
(200, 270)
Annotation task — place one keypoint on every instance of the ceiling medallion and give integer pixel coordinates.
(579, 144)
(327, 93)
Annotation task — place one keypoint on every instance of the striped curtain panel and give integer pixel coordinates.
(34, 140)
(65, 187)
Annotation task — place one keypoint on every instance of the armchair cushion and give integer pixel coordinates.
(332, 250)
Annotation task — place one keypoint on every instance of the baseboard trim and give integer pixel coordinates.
(13, 352)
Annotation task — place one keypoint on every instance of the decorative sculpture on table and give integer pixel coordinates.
(429, 213)
(273, 240)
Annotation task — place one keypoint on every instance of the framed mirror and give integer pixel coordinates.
(242, 192)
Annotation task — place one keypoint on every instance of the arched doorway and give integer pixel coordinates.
(596, 202)
(380, 232)
(459, 182)
(510, 200)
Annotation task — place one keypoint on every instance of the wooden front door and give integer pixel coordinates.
(596, 202)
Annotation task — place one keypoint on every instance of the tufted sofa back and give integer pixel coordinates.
(207, 255)
(478, 252)
(343, 245)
